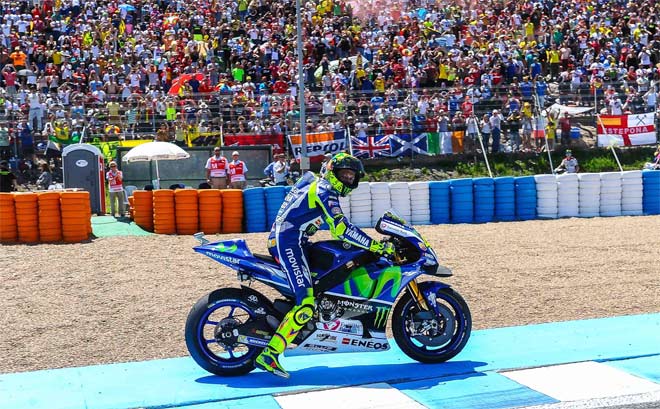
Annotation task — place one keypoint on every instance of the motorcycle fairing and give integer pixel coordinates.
(235, 254)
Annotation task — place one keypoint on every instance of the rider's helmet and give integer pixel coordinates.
(569, 153)
(338, 175)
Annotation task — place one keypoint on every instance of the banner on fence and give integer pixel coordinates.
(626, 130)
(369, 147)
(405, 144)
(318, 144)
(276, 140)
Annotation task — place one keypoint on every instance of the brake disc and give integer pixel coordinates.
(224, 332)
(434, 329)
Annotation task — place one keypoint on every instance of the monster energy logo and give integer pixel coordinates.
(230, 249)
(370, 288)
(381, 317)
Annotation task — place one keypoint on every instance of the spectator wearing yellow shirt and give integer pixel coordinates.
(379, 83)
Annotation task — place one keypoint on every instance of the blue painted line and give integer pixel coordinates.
(646, 367)
(477, 390)
(180, 382)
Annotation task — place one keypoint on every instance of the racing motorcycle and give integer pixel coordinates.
(356, 293)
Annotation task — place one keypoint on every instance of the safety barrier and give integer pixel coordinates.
(232, 210)
(143, 209)
(186, 211)
(484, 199)
(210, 211)
(164, 213)
(50, 217)
(361, 205)
(525, 197)
(254, 204)
(505, 199)
(45, 217)
(461, 197)
(66, 216)
(651, 199)
(274, 197)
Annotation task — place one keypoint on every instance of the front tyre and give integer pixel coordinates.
(430, 337)
(211, 337)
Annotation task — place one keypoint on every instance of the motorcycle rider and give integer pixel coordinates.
(312, 201)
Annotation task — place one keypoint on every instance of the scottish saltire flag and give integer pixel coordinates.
(403, 144)
(371, 147)
(627, 130)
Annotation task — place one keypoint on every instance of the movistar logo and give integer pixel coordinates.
(370, 288)
(230, 249)
(381, 317)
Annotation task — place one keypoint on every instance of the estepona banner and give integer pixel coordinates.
(318, 144)
(627, 130)
(277, 140)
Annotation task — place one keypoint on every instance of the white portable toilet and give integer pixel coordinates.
(83, 168)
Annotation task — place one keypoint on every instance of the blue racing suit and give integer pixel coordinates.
(311, 202)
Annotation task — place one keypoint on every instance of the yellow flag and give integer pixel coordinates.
(122, 27)
(87, 39)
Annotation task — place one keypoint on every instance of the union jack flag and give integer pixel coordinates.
(371, 146)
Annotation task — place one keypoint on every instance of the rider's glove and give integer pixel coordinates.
(386, 248)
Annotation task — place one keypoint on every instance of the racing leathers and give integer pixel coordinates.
(311, 202)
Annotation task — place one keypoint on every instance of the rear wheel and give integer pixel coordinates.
(430, 337)
(211, 337)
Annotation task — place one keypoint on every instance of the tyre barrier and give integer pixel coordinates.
(27, 217)
(632, 193)
(143, 209)
(50, 217)
(546, 196)
(420, 203)
(651, 191)
(232, 210)
(525, 192)
(210, 211)
(186, 211)
(400, 198)
(589, 194)
(361, 205)
(439, 202)
(610, 194)
(8, 226)
(484, 199)
(254, 207)
(461, 197)
(274, 196)
(164, 211)
(381, 200)
(568, 195)
(76, 216)
(505, 199)
(45, 217)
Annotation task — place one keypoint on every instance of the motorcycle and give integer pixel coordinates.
(357, 294)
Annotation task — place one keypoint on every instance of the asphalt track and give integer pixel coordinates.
(611, 358)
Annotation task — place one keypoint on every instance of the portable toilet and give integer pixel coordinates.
(83, 168)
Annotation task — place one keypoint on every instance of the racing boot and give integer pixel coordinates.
(286, 332)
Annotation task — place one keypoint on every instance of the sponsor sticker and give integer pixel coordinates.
(335, 210)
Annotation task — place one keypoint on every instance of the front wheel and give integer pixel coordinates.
(430, 337)
(211, 335)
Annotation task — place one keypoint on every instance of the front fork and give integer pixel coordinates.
(417, 295)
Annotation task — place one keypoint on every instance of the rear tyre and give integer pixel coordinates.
(429, 337)
(210, 335)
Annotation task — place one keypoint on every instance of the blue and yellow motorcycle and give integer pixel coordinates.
(356, 294)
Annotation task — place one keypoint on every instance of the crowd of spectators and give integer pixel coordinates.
(114, 69)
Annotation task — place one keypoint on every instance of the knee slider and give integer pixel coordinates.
(304, 312)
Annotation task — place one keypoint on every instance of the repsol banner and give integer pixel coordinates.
(318, 144)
